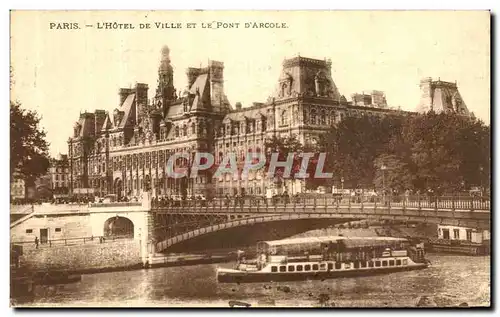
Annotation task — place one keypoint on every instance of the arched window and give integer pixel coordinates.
(313, 116)
(306, 117)
(333, 117)
(322, 118)
(201, 128)
(284, 118)
(177, 132)
(184, 130)
(193, 128)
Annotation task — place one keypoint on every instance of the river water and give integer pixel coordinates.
(449, 281)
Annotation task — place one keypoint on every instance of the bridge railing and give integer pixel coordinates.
(450, 202)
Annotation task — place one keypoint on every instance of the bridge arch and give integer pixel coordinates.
(118, 226)
(241, 222)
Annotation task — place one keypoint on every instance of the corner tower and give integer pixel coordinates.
(441, 96)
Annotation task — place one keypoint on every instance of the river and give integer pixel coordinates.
(449, 281)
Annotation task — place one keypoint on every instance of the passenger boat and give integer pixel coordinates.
(325, 258)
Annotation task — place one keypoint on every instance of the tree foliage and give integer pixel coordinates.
(28, 148)
(283, 146)
(355, 143)
(442, 152)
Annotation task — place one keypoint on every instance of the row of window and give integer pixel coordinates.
(62, 176)
(60, 170)
(456, 234)
(234, 191)
(31, 230)
(337, 266)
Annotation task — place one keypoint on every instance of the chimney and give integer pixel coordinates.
(238, 106)
(123, 93)
(192, 73)
(141, 96)
(100, 117)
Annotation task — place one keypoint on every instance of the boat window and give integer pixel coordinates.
(370, 263)
(315, 267)
(322, 266)
(282, 268)
(299, 268)
(384, 263)
(356, 265)
(291, 268)
(391, 262)
(405, 262)
(307, 267)
(398, 262)
(338, 265)
(330, 266)
(363, 263)
(377, 263)
(274, 269)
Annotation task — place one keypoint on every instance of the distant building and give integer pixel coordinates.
(17, 187)
(59, 175)
(372, 98)
(441, 96)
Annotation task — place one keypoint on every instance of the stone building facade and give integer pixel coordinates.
(125, 152)
(59, 174)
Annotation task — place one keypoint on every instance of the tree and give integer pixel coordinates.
(447, 151)
(28, 148)
(283, 146)
(353, 145)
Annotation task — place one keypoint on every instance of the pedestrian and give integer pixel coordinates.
(36, 242)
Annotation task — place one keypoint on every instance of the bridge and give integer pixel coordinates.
(178, 222)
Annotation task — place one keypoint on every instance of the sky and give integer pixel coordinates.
(60, 73)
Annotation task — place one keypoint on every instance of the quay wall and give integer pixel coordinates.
(92, 256)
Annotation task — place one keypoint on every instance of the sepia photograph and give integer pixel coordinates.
(248, 159)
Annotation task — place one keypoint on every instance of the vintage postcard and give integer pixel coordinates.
(250, 159)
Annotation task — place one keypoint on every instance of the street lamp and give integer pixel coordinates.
(481, 178)
(383, 168)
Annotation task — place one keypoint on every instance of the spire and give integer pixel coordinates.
(165, 60)
(165, 90)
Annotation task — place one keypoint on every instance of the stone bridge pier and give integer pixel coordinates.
(131, 220)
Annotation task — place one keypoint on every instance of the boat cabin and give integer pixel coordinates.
(335, 248)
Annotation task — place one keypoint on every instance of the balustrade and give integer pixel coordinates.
(325, 204)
